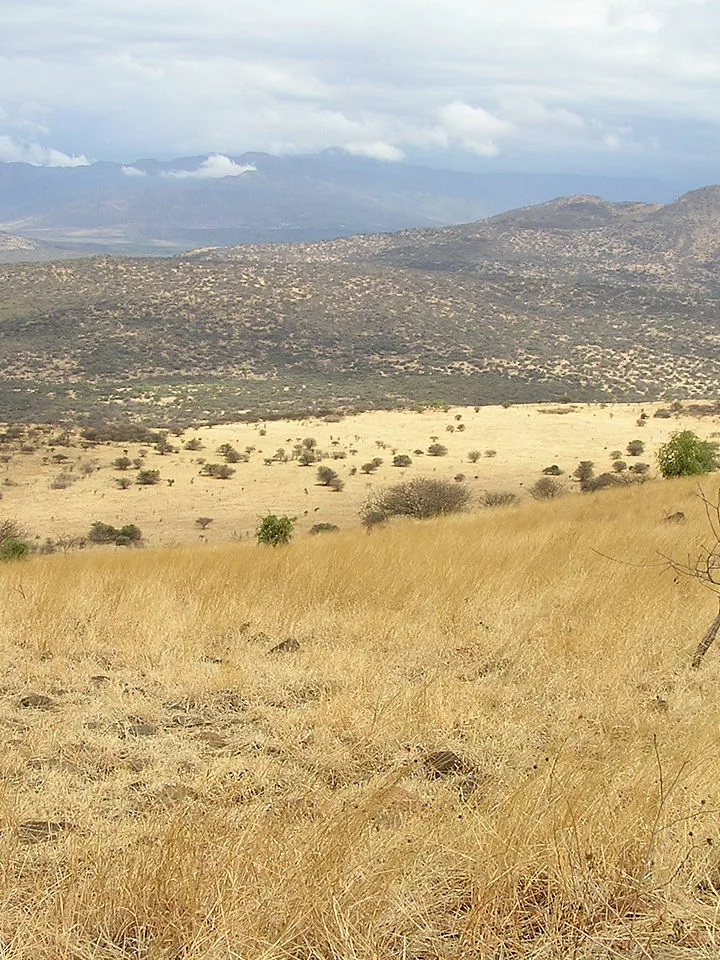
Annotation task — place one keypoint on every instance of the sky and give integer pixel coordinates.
(587, 86)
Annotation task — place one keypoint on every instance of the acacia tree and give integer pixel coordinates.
(686, 455)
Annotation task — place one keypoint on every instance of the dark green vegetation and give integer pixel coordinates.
(274, 531)
(686, 455)
(577, 299)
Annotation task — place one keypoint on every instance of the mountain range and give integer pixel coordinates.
(153, 207)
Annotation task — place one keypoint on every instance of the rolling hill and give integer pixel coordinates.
(575, 298)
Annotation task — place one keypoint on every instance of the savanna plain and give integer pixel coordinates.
(472, 736)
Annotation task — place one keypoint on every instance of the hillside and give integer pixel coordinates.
(577, 297)
(15, 249)
(481, 739)
(162, 207)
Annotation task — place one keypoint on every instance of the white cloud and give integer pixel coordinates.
(378, 150)
(130, 171)
(214, 168)
(14, 151)
(474, 128)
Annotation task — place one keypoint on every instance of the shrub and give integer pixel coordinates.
(552, 471)
(402, 460)
(635, 448)
(619, 465)
(62, 481)
(204, 522)
(323, 528)
(274, 531)
(123, 482)
(218, 471)
(474, 456)
(437, 450)
(491, 453)
(125, 536)
(686, 455)
(147, 478)
(546, 488)
(368, 468)
(603, 481)
(498, 498)
(421, 498)
(336, 484)
(194, 444)
(232, 455)
(122, 463)
(306, 458)
(12, 548)
(616, 454)
(640, 468)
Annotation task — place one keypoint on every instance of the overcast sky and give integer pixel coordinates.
(560, 85)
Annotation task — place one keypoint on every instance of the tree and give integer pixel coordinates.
(218, 471)
(204, 522)
(325, 476)
(635, 448)
(274, 531)
(686, 455)
(584, 472)
(437, 450)
(121, 463)
(474, 456)
(402, 460)
(421, 498)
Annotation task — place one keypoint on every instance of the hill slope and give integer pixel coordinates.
(576, 297)
(485, 741)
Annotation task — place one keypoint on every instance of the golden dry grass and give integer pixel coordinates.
(214, 800)
(526, 438)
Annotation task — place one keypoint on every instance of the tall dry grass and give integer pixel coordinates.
(210, 799)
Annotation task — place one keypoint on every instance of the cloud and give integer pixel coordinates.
(130, 171)
(378, 150)
(472, 82)
(214, 168)
(474, 128)
(14, 151)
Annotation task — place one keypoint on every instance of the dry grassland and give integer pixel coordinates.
(186, 792)
(526, 438)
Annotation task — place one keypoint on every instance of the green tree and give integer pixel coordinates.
(686, 455)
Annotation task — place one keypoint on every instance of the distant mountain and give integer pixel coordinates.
(162, 207)
(575, 298)
(15, 249)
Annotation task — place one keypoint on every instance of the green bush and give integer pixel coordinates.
(274, 531)
(686, 455)
(13, 549)
(125, 536)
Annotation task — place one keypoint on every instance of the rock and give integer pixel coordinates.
(678, 517)
(287, 646)
(444, 763)
(35, 830)
(138, 730)
(212, 739)
(36, 701)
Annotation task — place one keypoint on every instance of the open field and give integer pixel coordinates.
(485, 742)
(526, 438)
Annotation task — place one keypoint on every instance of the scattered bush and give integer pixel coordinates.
(640, 468)
(274, 531)
(663, 413)
(368, 468)
(124, 536)
(437, 450)
(122, 463)
(204, 522)
(218, 471)
(194, 444)
(323, 528)
(635, 448)
(325, 476)
(421, 498)
(123, 482)
(306, 458)
(62, 481)
(148, 478)
(686, 455)
(497, 498)
(584, 472)
(474, 456)
(546, 488)
(402, 460)
(491, 453)
(553, 471)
